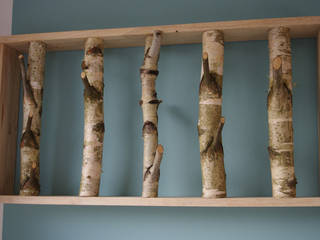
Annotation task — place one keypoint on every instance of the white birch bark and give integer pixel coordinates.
(92, 77)
(149, 102)
(280, 114)
(210, 121)
(32, 108)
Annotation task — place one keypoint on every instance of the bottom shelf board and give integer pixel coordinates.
(162, 201)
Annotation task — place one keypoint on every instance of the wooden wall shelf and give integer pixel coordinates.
(163, 202)
(10, 46)
(243, 30)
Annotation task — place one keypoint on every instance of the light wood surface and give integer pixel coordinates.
(9, 108)
(242, 30)
(162, 202)
(319, 101)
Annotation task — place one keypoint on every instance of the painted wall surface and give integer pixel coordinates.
(245, 135)
(5, 17)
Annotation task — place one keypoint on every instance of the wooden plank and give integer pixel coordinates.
(242, 30)
(319, 104)
(9, 108)
(162, 202)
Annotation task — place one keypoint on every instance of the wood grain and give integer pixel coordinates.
(162, 202)
(318, 102)
(9, 108)
(242, 30)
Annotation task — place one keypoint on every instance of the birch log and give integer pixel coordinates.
(210, 122)
(149, 102)
(92, 77)
(280, 114)
(32, 107)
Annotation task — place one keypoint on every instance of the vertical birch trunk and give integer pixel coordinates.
(280, 114)
(149, 103)
(32, 108)
(210, 122)
(92, 77)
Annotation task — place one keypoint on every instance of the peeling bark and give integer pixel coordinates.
(149, 103)
(210, 121)
(92, 78)
(32, 107)
(280, 115)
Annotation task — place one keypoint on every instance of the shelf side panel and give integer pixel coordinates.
(318, 66)
(9, 109)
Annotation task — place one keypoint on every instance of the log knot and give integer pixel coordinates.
(31, 183)
(90, 92)
(149, 128)
(149, 71)
(99, 127)
(280, 94)
(95, 51)
(211, 81)
(28, 139)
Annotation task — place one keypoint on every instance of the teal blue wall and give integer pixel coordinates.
(245, 134)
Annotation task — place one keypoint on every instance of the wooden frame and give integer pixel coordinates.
(164, 202)
(9, 109)
(244, 30)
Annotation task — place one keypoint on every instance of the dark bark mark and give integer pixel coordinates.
(99, 127)
(218, 37)
(140, 102)
(41, 93)
(149, 71)
(200, 131)
(84, 66)
(279, 92)
(155, 101)
(292, 183)
(95, 51)
(209, 143)
(214, 145)
(157, 33)
(28, 139)
(154, 94)
(217, 145)
(272, 152)
(32, 181)
(90, 92)
(281, 158)
(148, 172)
(27, 90)
(146, 55)
(149, 128)
(210, 81)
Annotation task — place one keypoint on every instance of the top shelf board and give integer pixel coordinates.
(242, 30)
